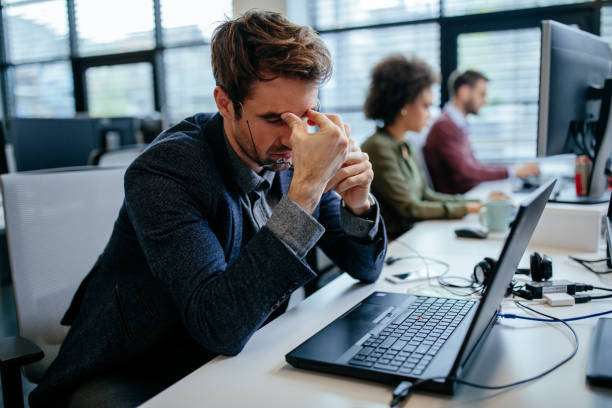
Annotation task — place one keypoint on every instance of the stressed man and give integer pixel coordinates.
(219, 213)
(447, 150)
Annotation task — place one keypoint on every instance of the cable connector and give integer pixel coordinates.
(583, 287)
(400, 392)
(582, 298)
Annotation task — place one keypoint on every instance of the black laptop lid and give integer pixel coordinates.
(521, 231)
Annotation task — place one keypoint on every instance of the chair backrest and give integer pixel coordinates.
(120, 157)
(57, 224)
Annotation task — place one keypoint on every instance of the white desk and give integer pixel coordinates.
(515, 349)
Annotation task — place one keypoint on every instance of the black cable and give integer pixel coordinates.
(400, 393)
(585, 263)
(602, 288)
(408, 387)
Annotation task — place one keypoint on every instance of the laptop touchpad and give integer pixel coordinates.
(331, 342)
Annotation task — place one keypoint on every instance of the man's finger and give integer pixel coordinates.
(347, 130)
(361, 179)
(355, 157)
(321, 120)
(293, 121)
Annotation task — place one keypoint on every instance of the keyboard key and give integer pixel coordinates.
(410, 348)
(388, 367)
(405, 370)
(361, 363)
(398, 345)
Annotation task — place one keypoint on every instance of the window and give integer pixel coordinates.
(190, 82)
(185, 21)
(606, 23)
(499, 37)
(43, 90)
(329, 14)
(462, 7)
(507, 126)
(354, 54)
(116, 53)
(36, 31)
(114, 26)
(120, 90)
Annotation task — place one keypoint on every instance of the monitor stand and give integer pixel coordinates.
(567, 195)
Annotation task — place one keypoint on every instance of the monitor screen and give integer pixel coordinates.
(571, 61)
(51, 143)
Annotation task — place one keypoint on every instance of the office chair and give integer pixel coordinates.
(123, 156)
(57, 224)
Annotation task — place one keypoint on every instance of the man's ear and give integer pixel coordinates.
(224, 104)
(464, 93)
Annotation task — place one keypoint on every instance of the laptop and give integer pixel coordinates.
(393, 337)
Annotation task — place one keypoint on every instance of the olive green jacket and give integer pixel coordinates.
(401, 189)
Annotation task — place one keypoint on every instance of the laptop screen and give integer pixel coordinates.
(520, 233)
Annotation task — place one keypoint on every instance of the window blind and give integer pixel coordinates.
(189, 82)
(114, 26)
(355, 53)
(463, 7)
(36, 31)
(185, 21)
(120, 90)
(606, 23)
(330, 14)
(507, 126)
(42, 90)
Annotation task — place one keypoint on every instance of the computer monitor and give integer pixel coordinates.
(608, 234)
(51, 143)
(575, 95)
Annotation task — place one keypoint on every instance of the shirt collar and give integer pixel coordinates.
(456, 116)
(246, 178)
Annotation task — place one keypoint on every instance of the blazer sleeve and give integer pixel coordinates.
(452, 149)
(361, 258)
(220, 304)
(401, 192)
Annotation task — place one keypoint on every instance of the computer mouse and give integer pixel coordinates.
(471, 232)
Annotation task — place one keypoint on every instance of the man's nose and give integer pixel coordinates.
(284, 135)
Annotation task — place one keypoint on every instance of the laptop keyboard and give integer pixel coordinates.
(410, 342)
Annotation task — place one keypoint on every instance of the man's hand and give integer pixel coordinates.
(527, 169)
(353, 180)
(316, 157)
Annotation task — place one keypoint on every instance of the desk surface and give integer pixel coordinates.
(515, 349)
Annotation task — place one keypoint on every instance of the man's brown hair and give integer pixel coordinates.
(456, 80)
(396, 81)
(261, 46)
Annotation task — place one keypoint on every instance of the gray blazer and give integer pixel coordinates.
(176, 285)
